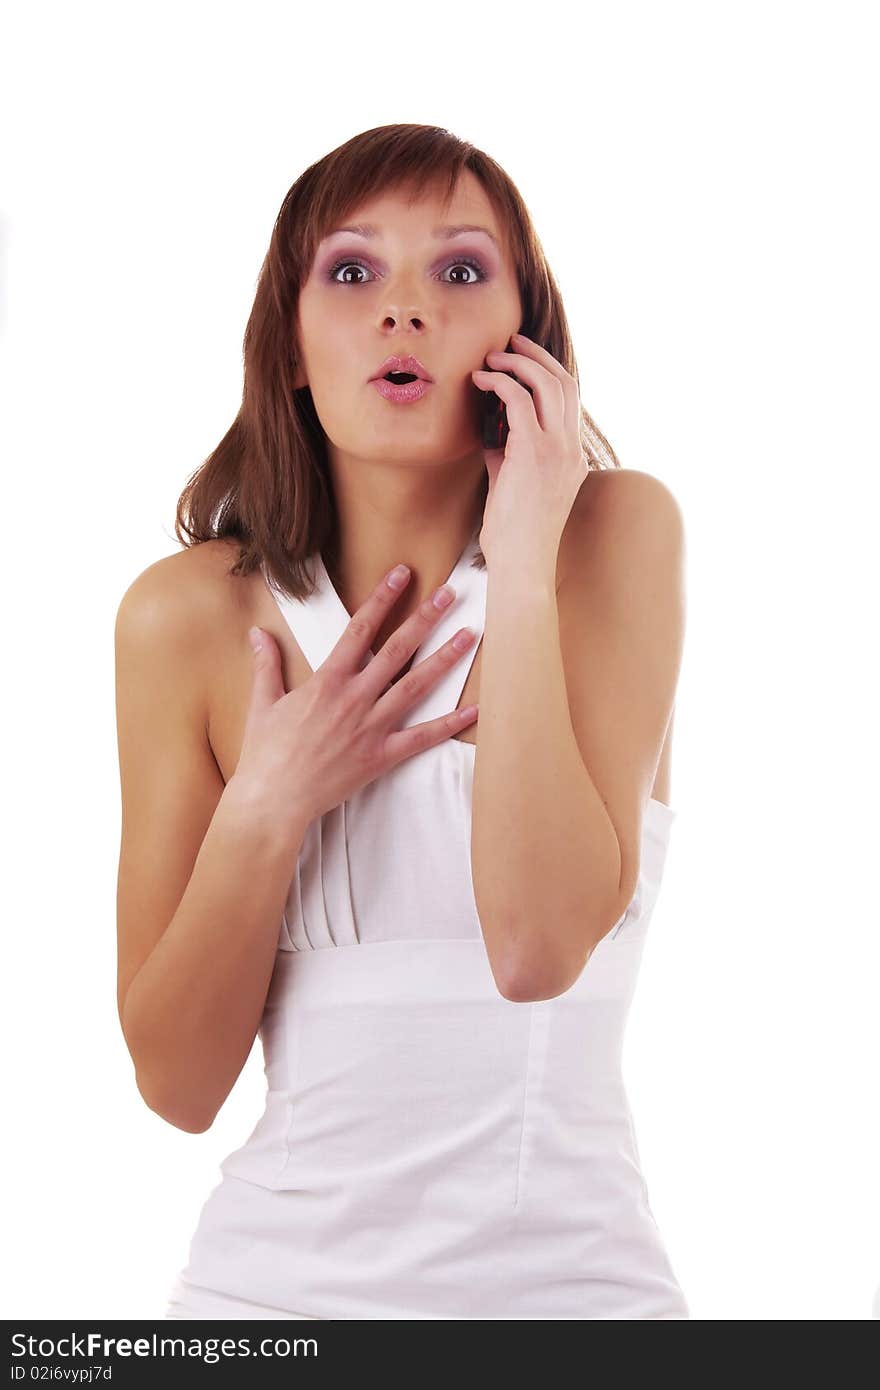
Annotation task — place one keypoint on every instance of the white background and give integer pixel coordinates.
(701, 177)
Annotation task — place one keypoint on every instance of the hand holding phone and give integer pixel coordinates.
(495, 428)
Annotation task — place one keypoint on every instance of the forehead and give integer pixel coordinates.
(394, 213)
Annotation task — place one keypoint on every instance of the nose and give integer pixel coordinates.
(392, 321)
(402, 308)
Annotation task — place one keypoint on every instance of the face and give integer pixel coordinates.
(406, 290)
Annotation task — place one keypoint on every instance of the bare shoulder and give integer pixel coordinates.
(182, 588)
(617, 514)
(613, 493)
(175, 608)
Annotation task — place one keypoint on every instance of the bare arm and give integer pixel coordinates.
(204, 870)
(193, 1009)
(544, 856)
(557, 830)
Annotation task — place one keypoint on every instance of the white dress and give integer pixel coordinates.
(428, 1148)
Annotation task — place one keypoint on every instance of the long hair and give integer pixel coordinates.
(268, 484)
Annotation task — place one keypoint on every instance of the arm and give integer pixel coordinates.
(544, 855)
(557, 822)
(203, 872)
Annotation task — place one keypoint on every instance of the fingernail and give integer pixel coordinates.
(256, 637)
(398, 576)
(443, 597)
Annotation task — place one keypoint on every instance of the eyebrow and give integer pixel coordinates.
(445, 232)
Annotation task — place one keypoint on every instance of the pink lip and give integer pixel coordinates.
(398, 363)
(407, 391)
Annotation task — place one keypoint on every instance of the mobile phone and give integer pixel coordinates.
(495, 425)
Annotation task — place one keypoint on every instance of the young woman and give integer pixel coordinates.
(432, 914)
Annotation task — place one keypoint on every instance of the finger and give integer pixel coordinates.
(417, 682)
(353, 646)
(525, 352)
(267, 685)
(544, 402)
(399, 647)
(406, 742)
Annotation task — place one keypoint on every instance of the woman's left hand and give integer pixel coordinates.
(535, 478)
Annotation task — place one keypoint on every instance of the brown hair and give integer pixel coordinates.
(268, 484)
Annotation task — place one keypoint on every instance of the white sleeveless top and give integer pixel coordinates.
(428, 1148)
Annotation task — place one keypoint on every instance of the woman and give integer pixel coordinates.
(433, 920)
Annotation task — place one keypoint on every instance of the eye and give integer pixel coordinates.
(468, 264)
(463, 262)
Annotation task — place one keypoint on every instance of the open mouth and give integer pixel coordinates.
(400, 378)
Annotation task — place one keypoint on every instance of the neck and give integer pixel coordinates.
(360, 554)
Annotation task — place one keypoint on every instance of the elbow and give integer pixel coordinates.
(544, 978)
(186, 1120)
(523, 975)
(531, 986)
(546, 972)
(174, 1112)
(188, 1125)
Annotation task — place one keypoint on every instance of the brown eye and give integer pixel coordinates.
(466, 261)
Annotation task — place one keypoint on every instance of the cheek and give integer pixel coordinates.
(317, 321)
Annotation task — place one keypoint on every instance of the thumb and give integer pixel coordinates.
(268, 683)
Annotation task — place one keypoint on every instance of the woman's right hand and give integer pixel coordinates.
(310, 749)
